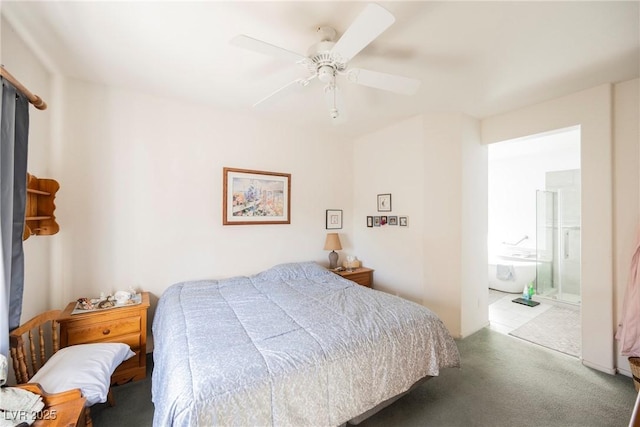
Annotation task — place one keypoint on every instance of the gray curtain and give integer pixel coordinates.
(14, 128)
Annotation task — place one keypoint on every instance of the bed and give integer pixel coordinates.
(292, 345)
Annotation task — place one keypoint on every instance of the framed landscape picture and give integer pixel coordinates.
(255, 197)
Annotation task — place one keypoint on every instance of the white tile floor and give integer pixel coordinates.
(505, 315)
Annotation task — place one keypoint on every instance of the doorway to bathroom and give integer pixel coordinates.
(535, 237)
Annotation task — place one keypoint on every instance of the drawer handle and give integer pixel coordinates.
(106, 332)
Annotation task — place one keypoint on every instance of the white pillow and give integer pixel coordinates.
(84, 366)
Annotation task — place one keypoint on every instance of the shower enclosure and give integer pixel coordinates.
(558, 237)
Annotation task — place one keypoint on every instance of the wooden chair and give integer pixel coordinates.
(60, 409)
(33, 343)
(42, 335)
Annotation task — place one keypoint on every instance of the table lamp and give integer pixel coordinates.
(332, 244)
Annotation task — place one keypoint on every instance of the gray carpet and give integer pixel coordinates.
(558, 328)
(503, 382)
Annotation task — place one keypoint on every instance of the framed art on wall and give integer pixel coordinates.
(384, 202)
(255, 197)
(334, 219)
(369, 221)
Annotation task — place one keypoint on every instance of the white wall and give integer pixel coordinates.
(455, 218)
(591, 109)
(435, 168)
(391, 161)
(626, 194)
(442, 219)
(474, 309)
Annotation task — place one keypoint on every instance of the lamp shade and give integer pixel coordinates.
(332, 243)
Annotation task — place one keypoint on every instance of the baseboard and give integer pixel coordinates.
(610, 371)
(467, 334)
(624, 372)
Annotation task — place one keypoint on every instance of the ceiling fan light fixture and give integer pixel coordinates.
(326, 73)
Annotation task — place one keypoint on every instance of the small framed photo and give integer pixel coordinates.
(384, 202)
(404, 221)
(383, 220)
(334, 219)
(376, 221)
(369, 221)
(393, 220)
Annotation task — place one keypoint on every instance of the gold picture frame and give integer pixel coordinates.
(252, 197)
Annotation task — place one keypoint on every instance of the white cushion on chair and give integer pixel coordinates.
(84, 366)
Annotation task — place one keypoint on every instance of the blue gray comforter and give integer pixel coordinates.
(293, 345)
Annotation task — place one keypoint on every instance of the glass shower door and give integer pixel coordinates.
(546, 236)
(558, 240)
(569, 255)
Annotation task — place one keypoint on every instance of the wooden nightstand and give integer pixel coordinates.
(361, 275)
(122, 324)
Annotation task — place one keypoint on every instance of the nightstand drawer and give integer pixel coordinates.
(361, 275)
(103, 330)
(363, 278)
(132, 340)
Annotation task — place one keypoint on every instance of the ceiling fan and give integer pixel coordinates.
(329, 58)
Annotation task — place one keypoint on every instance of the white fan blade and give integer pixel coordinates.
(335, 103)
(371, 22)
(384, 81)
(266, 48)
(284, 91)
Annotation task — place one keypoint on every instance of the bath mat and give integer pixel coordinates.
(529, 302)
(558, 328)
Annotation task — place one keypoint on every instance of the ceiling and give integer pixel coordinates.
(478, 58)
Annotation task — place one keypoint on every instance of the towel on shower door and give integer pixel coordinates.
(505, 272)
